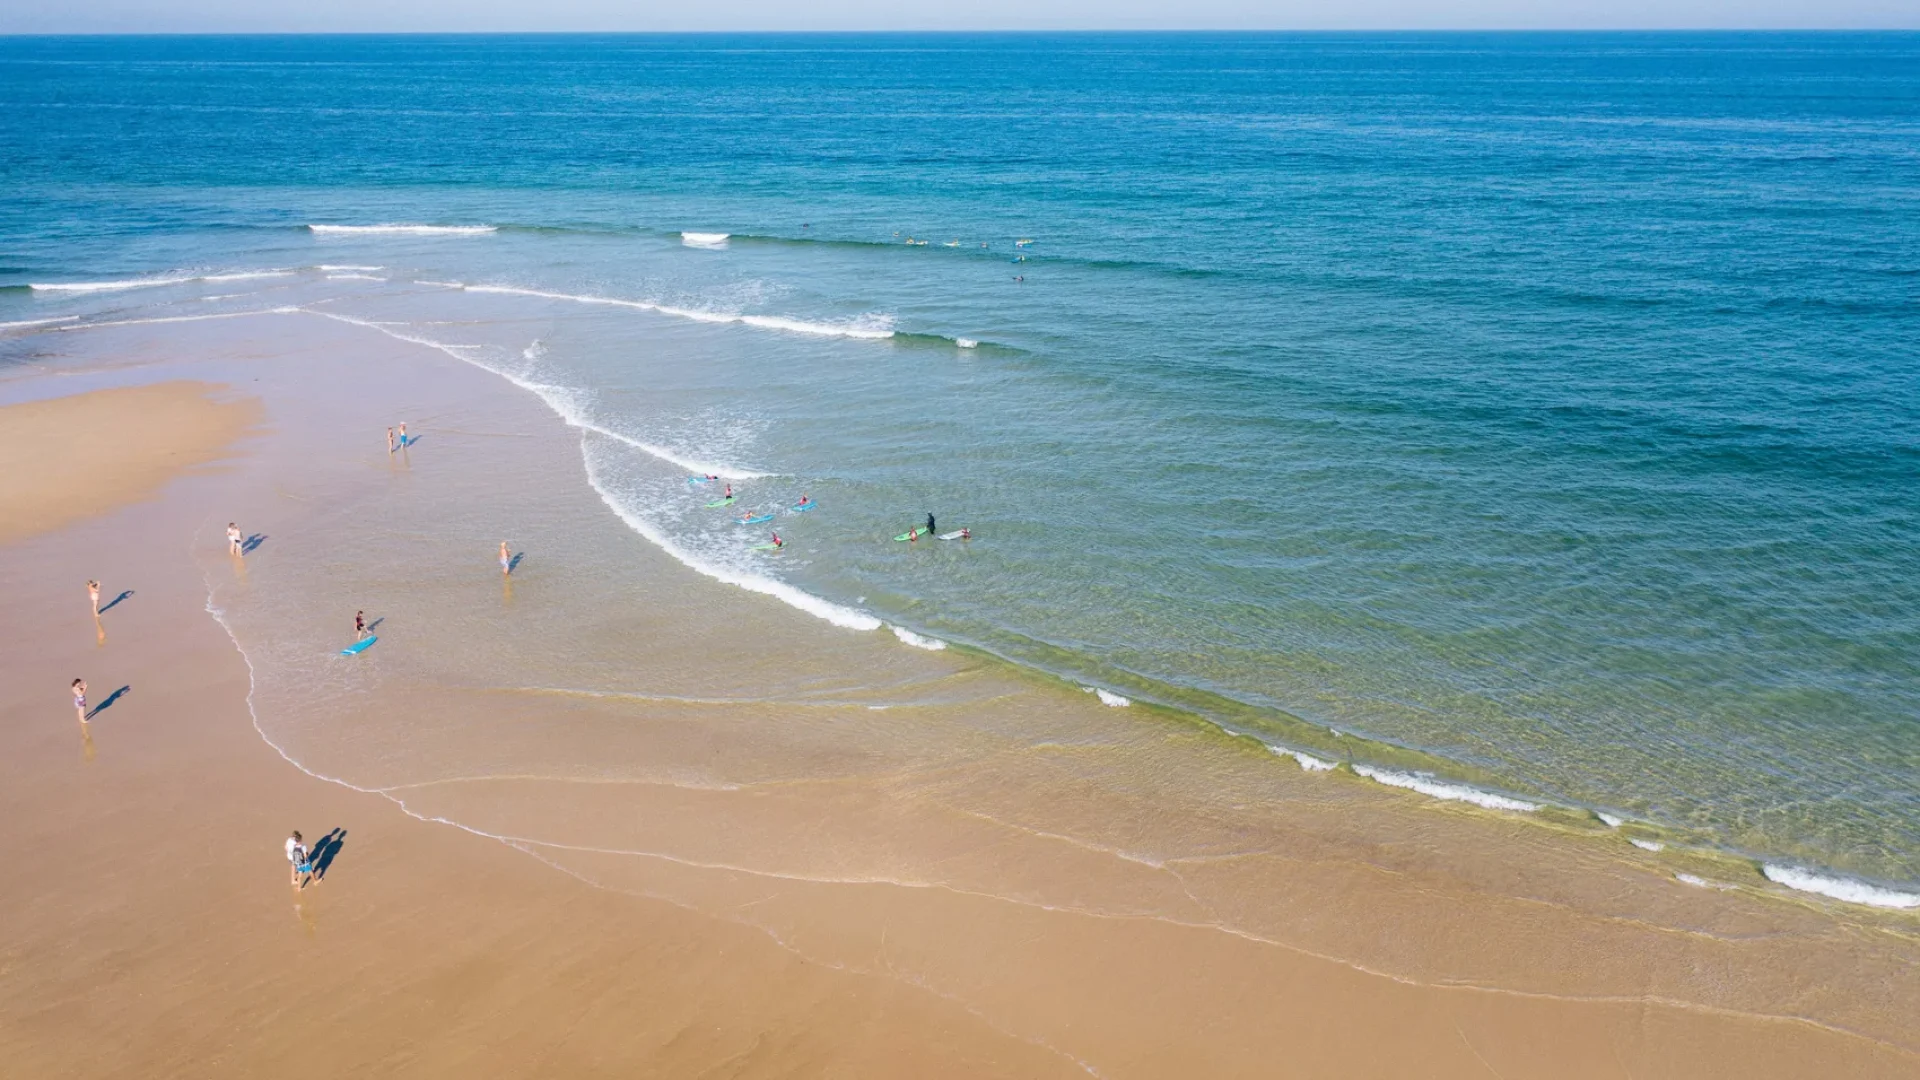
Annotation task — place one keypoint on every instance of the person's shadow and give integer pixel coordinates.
(514, 563)
(325, 850)
(251, 542)
(108, 704)
(114, 601)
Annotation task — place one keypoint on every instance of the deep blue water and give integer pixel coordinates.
(1546, 403)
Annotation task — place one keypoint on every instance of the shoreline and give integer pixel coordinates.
(1317, 820)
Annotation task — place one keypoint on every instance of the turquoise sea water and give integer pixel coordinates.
(1545, 404)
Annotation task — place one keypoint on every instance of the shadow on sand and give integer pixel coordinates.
(251, 542)
(108, 704)
(111, 603)
(325, 850)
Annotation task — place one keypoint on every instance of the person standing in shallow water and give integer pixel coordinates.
(233, 539)
(506, 560)
(93, 594)
(301, 859)
(359, 625)
(80, 699)
(389, 440)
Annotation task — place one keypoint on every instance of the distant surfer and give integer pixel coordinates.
(804, 500)
(729, 493)
(359, 625)
(777, 542)
(506, 560)
(233, 539)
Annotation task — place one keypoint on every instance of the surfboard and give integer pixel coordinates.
(360, 646)
(756, 519)
(951, 535)
(722, 502)
(766, 547)
(911, 534)
(699, 480)
(802, 508)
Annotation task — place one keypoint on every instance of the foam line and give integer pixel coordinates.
(1306, 761)
(401, 230)
(761, 322)
(106, 286)
(709, 240)
(917, 641)
(345, 266)
(1441, 790)
(1853, 892)
(1107, 697)
(38, 322)
(183, 318)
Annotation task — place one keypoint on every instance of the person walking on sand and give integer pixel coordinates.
(93, 594)
(233, 539)
(301, 859)
(506, 560)
(80, 699)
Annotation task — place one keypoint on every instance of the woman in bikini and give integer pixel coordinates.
(80, 699)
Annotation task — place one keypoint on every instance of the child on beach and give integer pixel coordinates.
(93, 594)
(233, 539)
(80, 699)
(302, 861)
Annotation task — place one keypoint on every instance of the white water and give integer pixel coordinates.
(1439, 789)
(1853, 892)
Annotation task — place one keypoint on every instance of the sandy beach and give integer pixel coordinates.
(608, 817)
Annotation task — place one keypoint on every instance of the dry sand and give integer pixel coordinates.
(149, 929)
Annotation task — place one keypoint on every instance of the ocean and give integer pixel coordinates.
(1532, 417)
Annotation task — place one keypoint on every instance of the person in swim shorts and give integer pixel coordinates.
(506, 560)
(233, 539)
(80, 699)
(93, 593)
(301, 860)
(359, 625)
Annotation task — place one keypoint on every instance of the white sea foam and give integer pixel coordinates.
(37, 322)
(1853, 892)
(873, 329)
(246, 275)
(183, 318)
(354, 277)
(708, 240)
(1646, 845)
(918, 641)
(1306, 761)
(1612, 822)
(1107, 697)
(1440, 789)
(401, 230)
(966, 343)
(107, 286)
(350, 266)
(443, 284)
(1699, 882)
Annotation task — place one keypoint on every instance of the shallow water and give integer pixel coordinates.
(1542, 404)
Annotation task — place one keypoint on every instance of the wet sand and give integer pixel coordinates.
(738, 840)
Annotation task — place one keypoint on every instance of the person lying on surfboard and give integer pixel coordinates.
(805, 500)
(777, 542)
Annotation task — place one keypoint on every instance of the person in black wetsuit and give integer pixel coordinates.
(929, 524)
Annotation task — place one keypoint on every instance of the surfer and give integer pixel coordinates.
(302, 861)
(80, 699)
(359, 625)
(804, 500)
(930, 529)
(506, 560)
(966, 534)
(729, 493)
(93, 593)
(777, 542)
(233, 539)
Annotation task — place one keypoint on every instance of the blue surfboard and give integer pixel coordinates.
(804, 507)
(756, 519)
(360, 646)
